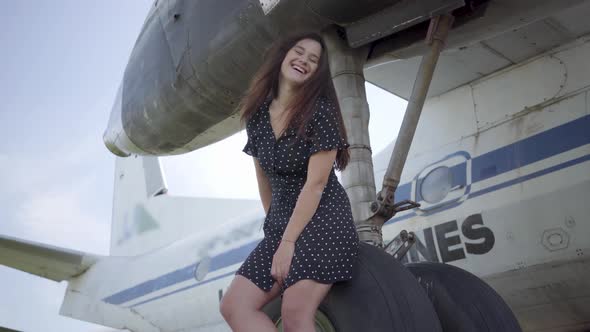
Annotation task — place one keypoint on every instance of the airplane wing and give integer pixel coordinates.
(46, 261)
(464, 60)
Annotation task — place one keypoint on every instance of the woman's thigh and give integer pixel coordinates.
(305, 296)
(243, 293)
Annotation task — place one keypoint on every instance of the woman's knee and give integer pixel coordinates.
(230, 303)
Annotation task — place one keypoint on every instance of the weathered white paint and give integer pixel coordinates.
(268, 5)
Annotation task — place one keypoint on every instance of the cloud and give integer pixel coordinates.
(219, 170)
(58, 218)
(55, 199)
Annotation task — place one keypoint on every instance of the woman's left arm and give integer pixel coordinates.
(319, 168)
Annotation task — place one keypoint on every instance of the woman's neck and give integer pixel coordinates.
(286, 93)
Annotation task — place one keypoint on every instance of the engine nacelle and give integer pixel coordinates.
(186, 73)
(193, 60)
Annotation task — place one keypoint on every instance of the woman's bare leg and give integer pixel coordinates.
(300, 302)
(242, 303)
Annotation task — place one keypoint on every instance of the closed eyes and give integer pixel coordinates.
(312, 58)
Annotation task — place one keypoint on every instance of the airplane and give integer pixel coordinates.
(499, 166)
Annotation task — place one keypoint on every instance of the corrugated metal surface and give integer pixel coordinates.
(454, 68)
(465, 64)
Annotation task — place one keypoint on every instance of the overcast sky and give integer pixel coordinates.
(60, 65)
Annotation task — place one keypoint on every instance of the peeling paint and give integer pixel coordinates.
(268, 5)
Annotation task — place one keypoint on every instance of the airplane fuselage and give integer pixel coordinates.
(501, 167)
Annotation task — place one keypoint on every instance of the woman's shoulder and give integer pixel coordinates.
(256, 116)
(323, 106)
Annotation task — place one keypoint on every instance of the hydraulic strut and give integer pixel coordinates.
(370, 209)
(384, 207)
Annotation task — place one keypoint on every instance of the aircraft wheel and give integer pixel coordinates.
(382, 296)
(462, 301)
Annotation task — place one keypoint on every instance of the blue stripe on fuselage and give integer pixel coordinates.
(529, 150)
(218, 262)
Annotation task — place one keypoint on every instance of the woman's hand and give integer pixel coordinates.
(281, 262)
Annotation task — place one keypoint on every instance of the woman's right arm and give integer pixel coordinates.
(263, 186)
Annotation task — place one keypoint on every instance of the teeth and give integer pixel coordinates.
(299, 69)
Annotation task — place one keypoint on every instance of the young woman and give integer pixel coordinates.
(296, 136)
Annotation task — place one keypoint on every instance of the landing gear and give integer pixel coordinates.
(382, 296)
(462, 301)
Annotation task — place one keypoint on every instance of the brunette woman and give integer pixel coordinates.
(297, 138)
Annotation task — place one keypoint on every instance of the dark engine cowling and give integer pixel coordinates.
(193, 60)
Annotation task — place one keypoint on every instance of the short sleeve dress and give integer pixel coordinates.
(327, 249)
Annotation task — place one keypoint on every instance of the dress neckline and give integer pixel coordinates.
(269, 122)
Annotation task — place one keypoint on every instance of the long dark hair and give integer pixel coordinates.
(265, 83)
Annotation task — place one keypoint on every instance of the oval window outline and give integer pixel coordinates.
(202, 268)
(432, 189)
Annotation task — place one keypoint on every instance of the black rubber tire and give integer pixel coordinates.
(382, 296)
(462, 301)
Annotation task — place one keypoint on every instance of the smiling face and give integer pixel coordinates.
(301, 61)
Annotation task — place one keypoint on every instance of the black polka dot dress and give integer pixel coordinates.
(327, 248)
